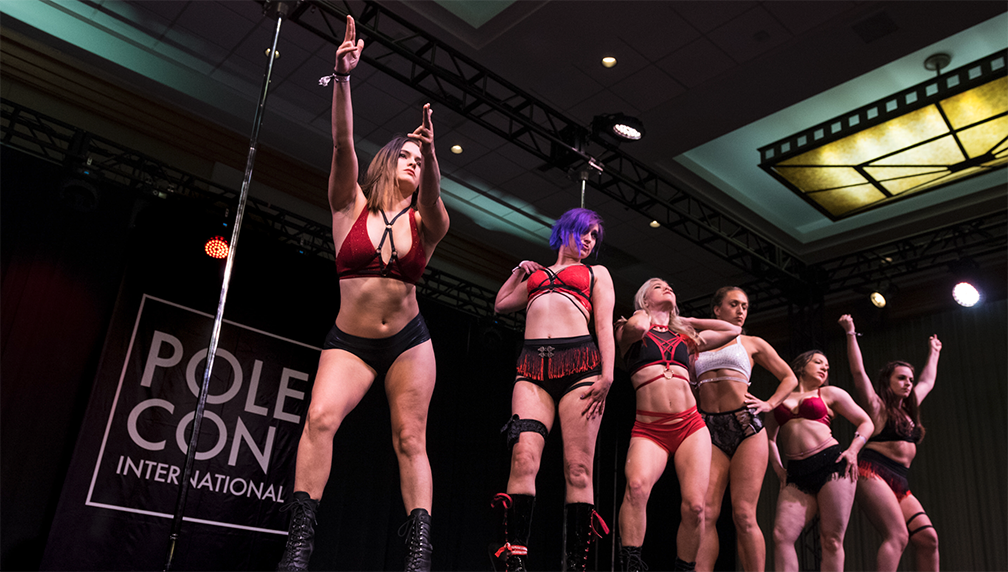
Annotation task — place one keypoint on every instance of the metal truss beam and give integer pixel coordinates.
(103, 161)
(424, 63)
(935, 249)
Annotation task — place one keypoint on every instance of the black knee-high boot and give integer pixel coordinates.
(301, 535)
(417, 531)
(580, 527)
(517, 524)
(630, 559)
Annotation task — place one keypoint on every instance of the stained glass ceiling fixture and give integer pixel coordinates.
(943, 130)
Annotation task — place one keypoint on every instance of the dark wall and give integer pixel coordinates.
(61, 269)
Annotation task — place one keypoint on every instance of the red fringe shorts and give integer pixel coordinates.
(559, 364)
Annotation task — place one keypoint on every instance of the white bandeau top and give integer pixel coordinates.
(734, 356)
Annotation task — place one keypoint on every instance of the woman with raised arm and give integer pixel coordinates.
(383, 243)
(820, 476)
(561, 373)
(658, 346)
(883, 489)
(734, 419)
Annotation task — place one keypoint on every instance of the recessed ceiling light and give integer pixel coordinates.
(457, 149)
(608, 62)
(654, 224)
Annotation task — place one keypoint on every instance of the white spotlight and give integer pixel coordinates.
(965, 294)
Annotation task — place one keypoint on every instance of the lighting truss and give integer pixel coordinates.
(52, 140)
(427, 65)
(979, 238)
(943, 130)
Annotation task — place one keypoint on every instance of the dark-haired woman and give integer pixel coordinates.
(820, 476)
(383, 246)
(734, 419)
(658, 346)
(883, 489)
(561, 373)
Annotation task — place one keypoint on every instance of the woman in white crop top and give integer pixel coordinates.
(732, 415)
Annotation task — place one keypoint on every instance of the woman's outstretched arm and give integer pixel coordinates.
(343, 188)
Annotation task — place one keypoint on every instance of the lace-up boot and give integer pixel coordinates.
(517, 523)
(301, 535)
(580, 528)
(417, 531)
(630, 559)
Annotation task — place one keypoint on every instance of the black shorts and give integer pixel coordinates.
(730, 428)
(810, 474)
(871, 463)
(379, 353)
(559, 365)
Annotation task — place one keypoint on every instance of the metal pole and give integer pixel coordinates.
(215, 334)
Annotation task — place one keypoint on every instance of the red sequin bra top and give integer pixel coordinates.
(358, 257)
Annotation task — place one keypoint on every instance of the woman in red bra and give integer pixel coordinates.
(883, 490)
(658, 346)
(561, 373)
(734, 417)
(383, 246)
(820, 476)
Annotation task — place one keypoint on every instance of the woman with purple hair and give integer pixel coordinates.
(883, 490)
(561, 372)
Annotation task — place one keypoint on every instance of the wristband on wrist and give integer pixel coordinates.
(335, 76)
(519, 267)
(856, 435)
(855, 334)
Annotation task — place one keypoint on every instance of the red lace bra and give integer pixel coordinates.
(358, 256)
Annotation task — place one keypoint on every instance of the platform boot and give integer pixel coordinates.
(580, 527)
(417, 530)
(301, 534)
(517, 524)
(630, 559)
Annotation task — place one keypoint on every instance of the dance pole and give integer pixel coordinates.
(279, 9)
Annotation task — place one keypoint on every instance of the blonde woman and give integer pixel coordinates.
(658, 346)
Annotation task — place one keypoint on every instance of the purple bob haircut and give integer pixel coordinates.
(574, 223)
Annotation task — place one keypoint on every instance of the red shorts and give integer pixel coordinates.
(669, 437)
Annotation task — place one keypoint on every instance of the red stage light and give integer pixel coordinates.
(216, 247)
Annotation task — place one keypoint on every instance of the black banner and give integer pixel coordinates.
(244, 464)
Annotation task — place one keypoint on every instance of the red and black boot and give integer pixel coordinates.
(517, 522)
(580, 528)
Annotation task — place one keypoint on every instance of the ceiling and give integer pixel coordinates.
(712, 82)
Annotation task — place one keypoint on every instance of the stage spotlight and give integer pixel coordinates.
(78, 193)
(877, 299)
(216, 247)
(966, 291)
(618, 127)
(965, 294)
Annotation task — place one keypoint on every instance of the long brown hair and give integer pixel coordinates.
(799, 363)
(883, 388)
(380, 185)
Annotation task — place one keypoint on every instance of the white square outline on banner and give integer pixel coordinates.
(115, 402)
